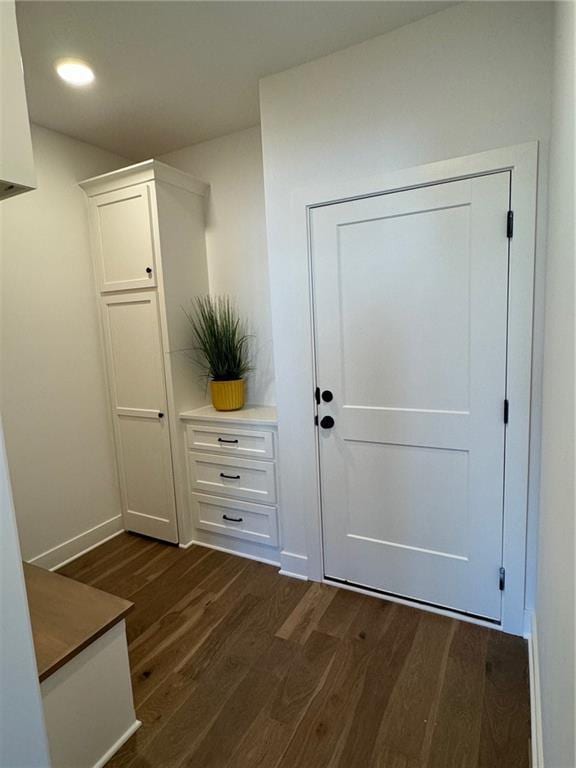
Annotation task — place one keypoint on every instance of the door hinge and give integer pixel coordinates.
(510, 224)
(506, 410)
(317, 395)
(316, 420)
(502, 581)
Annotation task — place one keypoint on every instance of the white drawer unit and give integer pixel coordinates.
(253, 522)
(229, 476)
(250, 444)
(232, 479)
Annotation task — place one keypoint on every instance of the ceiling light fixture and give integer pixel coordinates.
(74, 71)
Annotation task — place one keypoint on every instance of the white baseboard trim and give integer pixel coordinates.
(228, 551)
(78, 545)
(116, 746)
(535, 696)
(291, 575)
(527, 623)
(293, 565)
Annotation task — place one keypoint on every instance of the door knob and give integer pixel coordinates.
(327, 396)
(327, 422)
(160, 415)
(148, 270)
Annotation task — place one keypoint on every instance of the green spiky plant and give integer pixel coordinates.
(221, 340)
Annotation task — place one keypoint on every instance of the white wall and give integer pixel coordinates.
(56, 419)
(473, 77)
(236, 238)
(555, 597)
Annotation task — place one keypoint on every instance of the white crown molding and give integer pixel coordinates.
(140, 173)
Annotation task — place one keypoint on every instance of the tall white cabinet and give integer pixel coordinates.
(147, 232)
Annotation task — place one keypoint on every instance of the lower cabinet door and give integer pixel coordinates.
(138, 393)
(147, 480)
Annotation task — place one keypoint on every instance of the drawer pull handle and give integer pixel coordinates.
(222, 440)
(233, 519)
(230, 477)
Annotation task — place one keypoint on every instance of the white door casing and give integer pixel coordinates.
(411, 313)
(139, 404)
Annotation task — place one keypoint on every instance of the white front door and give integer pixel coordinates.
(136, 366)
(411, 293)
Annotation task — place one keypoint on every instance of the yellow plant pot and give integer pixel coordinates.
(227, 395)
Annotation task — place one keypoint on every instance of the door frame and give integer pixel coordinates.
(522, 161)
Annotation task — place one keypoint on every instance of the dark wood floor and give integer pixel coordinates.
(236, 666)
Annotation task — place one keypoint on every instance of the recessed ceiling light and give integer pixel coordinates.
(74, 71)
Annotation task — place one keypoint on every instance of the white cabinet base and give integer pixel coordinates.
(232, 481)
(88, 705)
(267, 555)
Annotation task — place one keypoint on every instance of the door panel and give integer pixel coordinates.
(375, 291)
(387, 472)
(125, 239)
(139, 406)
(147, 471)
(137, 360)
(410, 311)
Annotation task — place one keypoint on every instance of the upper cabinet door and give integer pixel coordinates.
(125, 251)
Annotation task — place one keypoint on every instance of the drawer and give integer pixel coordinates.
(240, 519)
(229, 476)
(257, 444)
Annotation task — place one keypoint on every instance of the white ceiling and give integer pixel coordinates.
(170, 74)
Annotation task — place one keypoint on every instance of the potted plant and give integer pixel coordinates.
(221, 343)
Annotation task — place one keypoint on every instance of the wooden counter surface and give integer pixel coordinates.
(67, 616)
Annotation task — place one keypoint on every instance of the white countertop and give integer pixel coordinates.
(253, 414)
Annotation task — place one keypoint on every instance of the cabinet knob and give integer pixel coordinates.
(160, 415)
(148, 270)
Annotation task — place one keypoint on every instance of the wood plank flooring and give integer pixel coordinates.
(234, 666)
